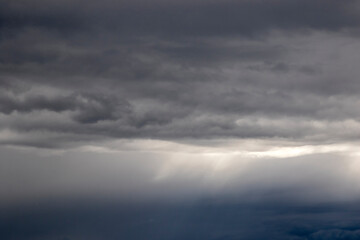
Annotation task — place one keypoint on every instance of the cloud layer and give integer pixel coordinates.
(178, 70)
(179, 119)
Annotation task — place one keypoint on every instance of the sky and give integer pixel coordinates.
(169, 119)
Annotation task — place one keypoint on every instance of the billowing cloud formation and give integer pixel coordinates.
(178, 70)
(89, 108)
(179, 119)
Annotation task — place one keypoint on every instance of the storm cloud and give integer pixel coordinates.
(180, 70)
(179, 119)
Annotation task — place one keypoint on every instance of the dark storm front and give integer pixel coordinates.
(179, 119)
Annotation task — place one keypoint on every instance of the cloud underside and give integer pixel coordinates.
(178, 71)
(217, 120)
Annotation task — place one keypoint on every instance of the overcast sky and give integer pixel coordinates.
(232, 119)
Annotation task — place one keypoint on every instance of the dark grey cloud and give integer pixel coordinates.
(175, 18)
(179, 119)
(179, 70)
(87, 108)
